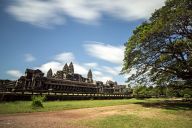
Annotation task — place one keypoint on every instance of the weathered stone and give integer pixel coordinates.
(90, 76)
(64, 81)
(71, 68)
(50, 73)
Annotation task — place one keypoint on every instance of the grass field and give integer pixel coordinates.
(148, 114)
(179, 120)
(126, 113)
(25, 106)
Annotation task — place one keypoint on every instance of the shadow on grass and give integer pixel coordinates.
(168, 104)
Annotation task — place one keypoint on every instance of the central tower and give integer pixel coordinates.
(71, 69)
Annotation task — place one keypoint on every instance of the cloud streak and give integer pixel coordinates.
(59, 60)
(35, 12)
(99, 76)
(55, 12)
(65, 57)
(113, 54)
(14, 73)
(29, 57)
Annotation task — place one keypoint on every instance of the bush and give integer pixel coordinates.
(37, 101)
(187, 97)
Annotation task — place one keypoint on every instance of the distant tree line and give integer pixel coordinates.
(142, 91)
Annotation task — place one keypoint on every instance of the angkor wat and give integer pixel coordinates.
(63, 81)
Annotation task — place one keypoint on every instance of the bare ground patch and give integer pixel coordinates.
(69, 118)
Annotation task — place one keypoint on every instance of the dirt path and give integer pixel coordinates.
(67, 118)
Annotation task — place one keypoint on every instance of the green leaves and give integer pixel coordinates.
(163, 43)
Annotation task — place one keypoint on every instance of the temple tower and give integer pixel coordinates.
(50, 73)
(59, 74)
(71, 68)
(89, 76)
(65, 71)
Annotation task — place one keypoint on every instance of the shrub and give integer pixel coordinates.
(187, 96)
(37, 101)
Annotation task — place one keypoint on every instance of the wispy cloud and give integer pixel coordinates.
(59, 61)
(110, 53)
(99, 76)
(112, 70)
(80, 69)
(36, 12)
(91, 65)
(65, 57)
(54, 12)
(55, 66)
(14, 73)
(29, 57)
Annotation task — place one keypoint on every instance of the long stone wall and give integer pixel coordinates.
(14, 96)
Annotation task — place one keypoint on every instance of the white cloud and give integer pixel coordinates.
(113, 54)
(99, 76)
(29, 57)
(55, 66)
(14, 73)
(36, 12)
(112, 70)
(83, 70)
(57, 62)
(60, 60)
(65, 57)
(100, 73)
(80, 69)
(97, 73)
(54, 12)
(91, 65)
(82, 10)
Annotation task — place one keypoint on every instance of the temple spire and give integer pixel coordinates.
(71, 68)
(50, 73)
(89, 76)
(66, 69)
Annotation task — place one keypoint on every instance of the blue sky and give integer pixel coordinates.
(47, 34)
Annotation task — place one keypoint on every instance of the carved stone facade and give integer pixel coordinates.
(90, 76)
(65, 69)
(50, 73)
(71, 69)
(59, 75)
(64, 81)
(68, 74)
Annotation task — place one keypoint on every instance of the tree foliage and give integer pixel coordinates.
(163, 44)
(142, 91)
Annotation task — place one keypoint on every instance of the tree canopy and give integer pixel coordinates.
(163, 44)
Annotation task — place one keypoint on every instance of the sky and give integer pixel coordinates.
(44, 34)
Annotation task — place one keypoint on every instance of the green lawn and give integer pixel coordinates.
(148, 113)
(25, 106)
(134, 121)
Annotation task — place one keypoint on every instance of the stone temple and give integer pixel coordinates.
(63, 81)
(68, 74)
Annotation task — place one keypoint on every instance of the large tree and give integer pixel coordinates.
(163, 44)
